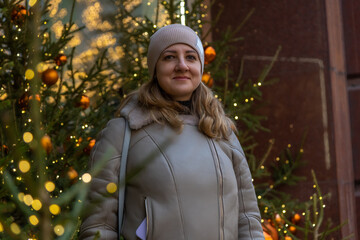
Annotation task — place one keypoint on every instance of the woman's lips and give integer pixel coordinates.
(181, 78)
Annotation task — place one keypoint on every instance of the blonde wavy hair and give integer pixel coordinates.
(163, 109)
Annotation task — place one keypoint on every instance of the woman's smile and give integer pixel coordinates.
(181, 78)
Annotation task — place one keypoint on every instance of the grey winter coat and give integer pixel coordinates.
(192, 187)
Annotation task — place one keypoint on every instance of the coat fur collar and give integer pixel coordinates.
(139, 117)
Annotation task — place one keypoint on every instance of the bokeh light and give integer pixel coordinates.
(50, 186)
(59, 230)
(54, 209)
(28, 137)
(111, 187)
(29, 74)
(33, 220)
(28, 199)
(24, 166)
(36, 204)
(86, 177)
(15, 228)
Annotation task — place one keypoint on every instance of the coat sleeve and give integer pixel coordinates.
(102, 207)
(249, 223)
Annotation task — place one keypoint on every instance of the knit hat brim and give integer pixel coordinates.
(170, 35)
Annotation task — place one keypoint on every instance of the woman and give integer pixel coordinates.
(197, 184)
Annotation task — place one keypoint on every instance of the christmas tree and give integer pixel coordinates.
(54, 101)
(47, 123)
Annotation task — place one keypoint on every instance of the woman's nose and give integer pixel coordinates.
(181, 65)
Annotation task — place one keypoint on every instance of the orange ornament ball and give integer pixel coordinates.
(296, 218)
(18, 14)
(270, 230)
(207, 80)
(72, 173)
(292, 229)
(267, 236)
(278, 219)
(210, 54)
(46, 143)
(91, 144)
(60, 60)
(288, 238)
(49, 76)
(83, 102)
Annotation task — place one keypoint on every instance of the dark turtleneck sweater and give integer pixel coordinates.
(185, 103)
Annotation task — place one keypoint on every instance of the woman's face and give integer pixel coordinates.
(178, 71)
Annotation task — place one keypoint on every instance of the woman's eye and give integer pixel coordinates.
(168, 57)
(191, 57)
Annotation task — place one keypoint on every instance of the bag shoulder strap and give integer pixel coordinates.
(125, 148)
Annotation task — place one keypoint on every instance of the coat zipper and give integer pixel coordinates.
(217, 164)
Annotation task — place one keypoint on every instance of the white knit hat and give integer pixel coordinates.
(170, 35)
